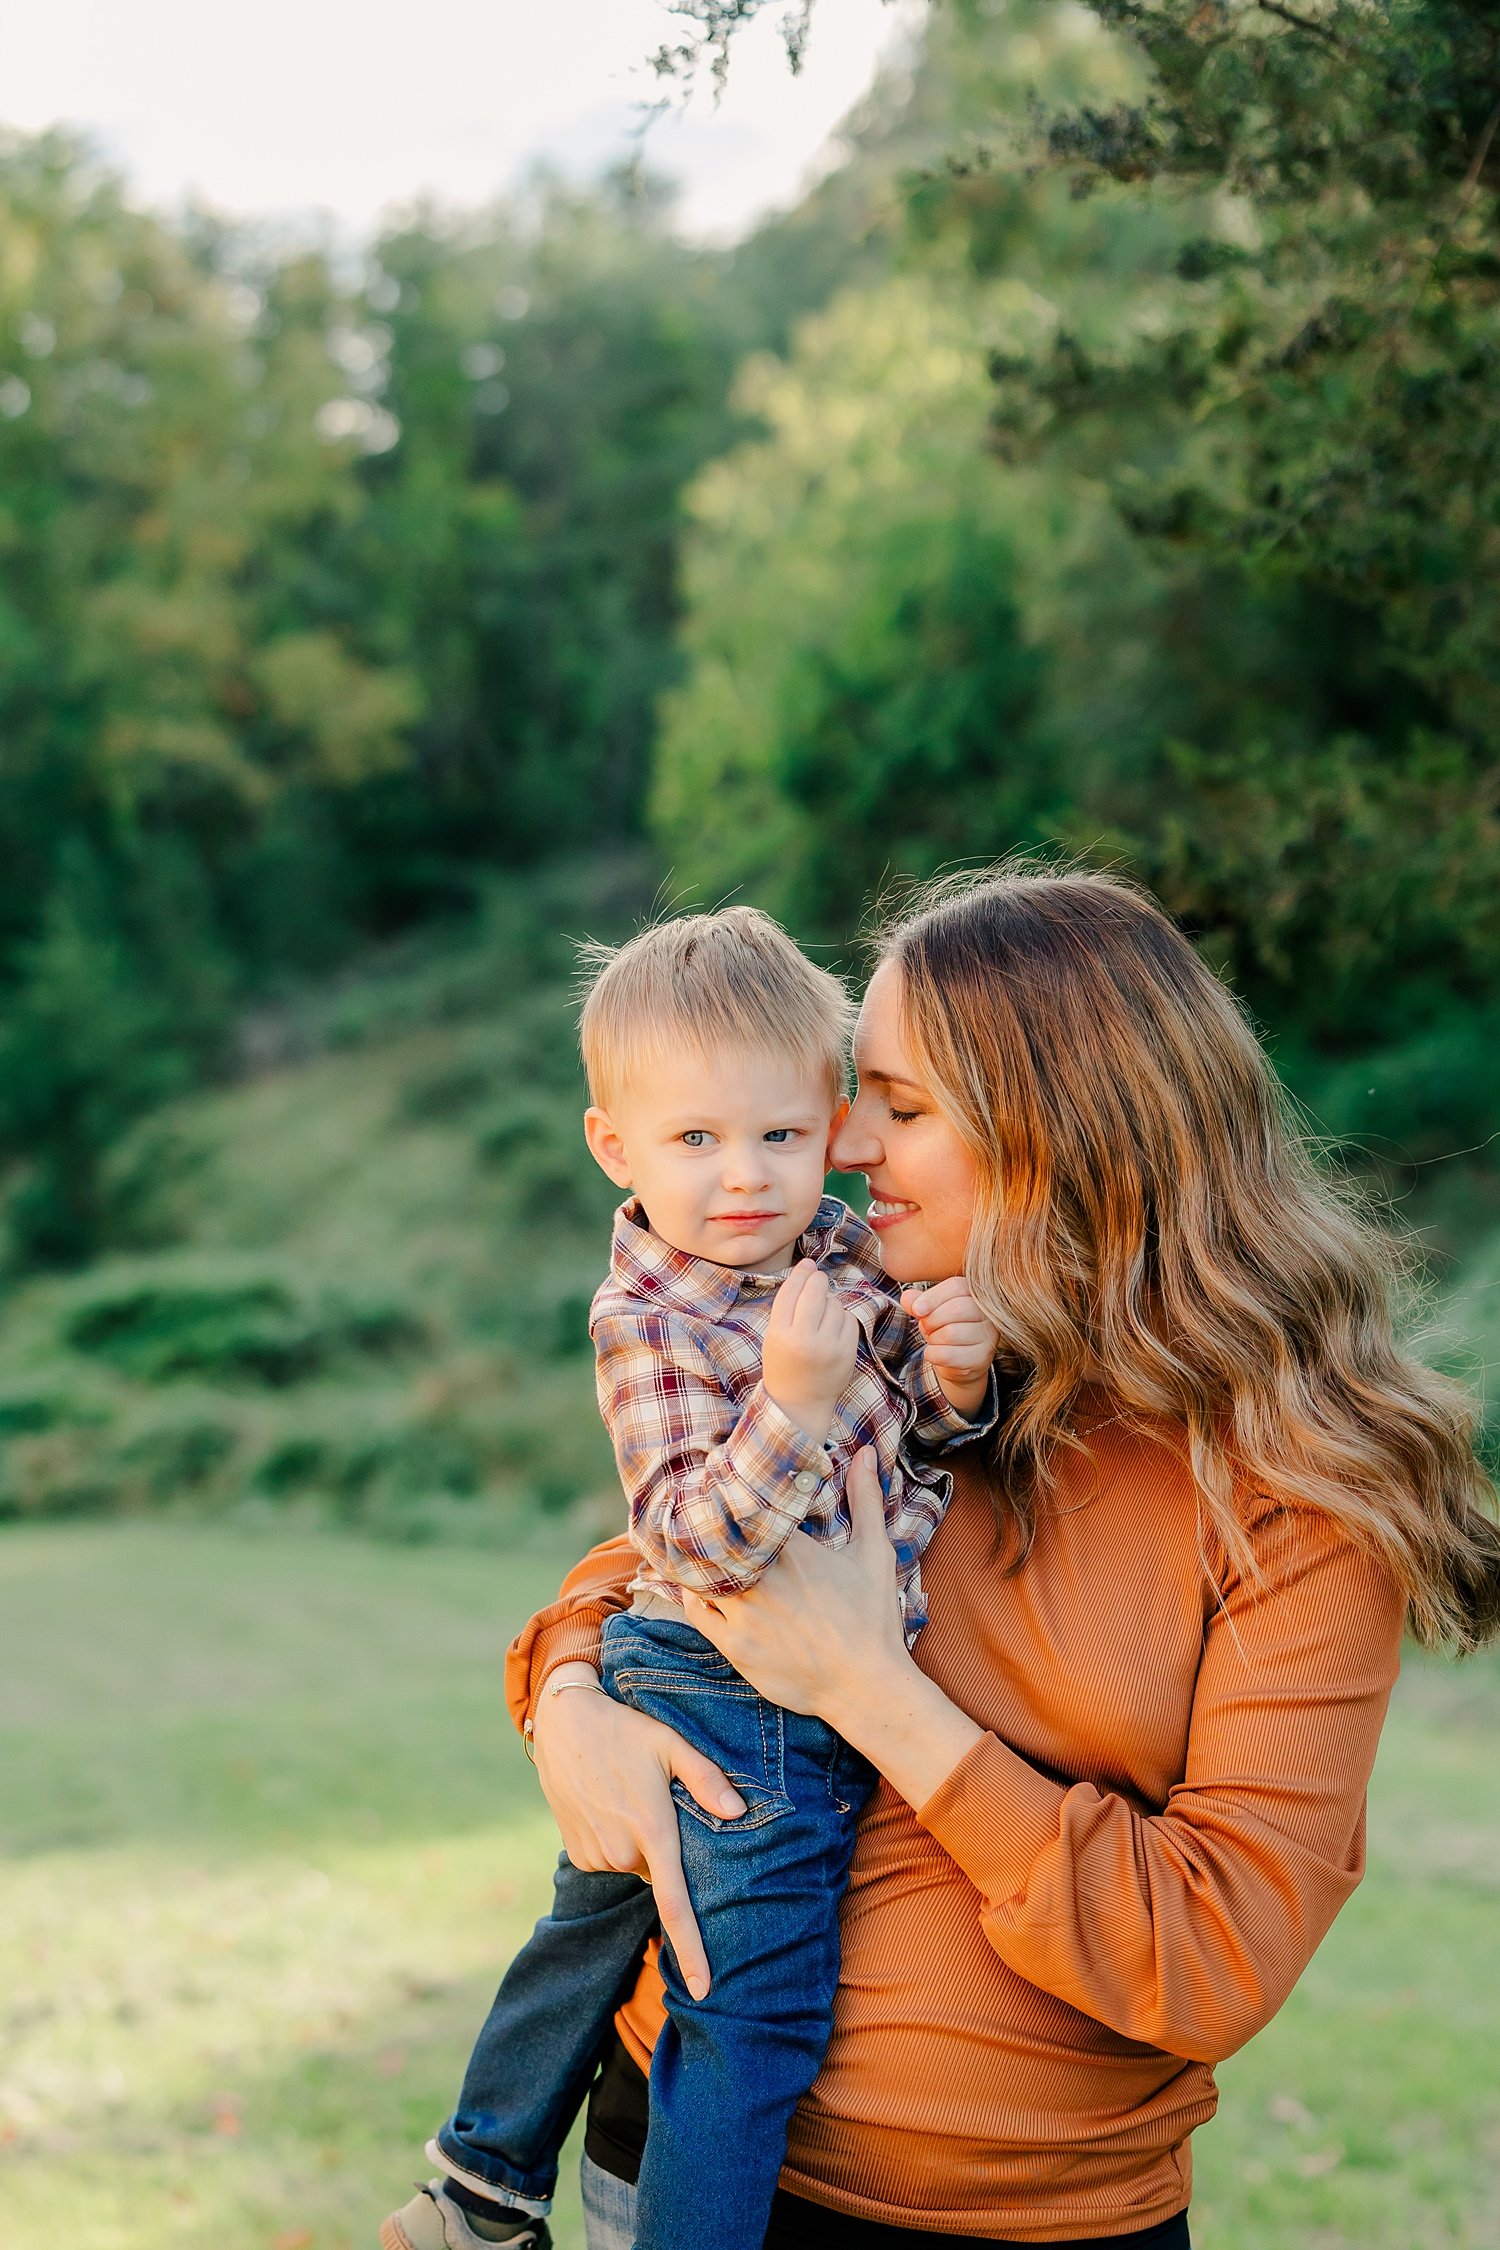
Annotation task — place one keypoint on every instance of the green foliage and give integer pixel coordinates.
(319, 596)
(860, 693)
(1209, 594)
(258, 1327)
(1309, 414)
(359, 1286)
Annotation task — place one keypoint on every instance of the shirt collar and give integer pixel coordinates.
(648, 1267)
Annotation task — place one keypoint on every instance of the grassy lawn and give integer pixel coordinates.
(265, 1840)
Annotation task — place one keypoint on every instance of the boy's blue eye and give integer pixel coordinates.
(778, 1133)
(694, 1138)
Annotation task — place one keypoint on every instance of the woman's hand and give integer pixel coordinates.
(607, 1772)
(824, 1623)
(821, 1633)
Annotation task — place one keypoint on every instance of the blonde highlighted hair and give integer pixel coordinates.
(1151, 1223)
(710, 982)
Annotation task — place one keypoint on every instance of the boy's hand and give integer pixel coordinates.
(961, 1342)
(808, 1355)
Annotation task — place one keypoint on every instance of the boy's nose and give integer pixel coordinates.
(745, 1170)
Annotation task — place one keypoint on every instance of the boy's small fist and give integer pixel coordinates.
(811, 1342)
(961, 1341)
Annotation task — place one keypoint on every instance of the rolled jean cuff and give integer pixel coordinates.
(535, 2207)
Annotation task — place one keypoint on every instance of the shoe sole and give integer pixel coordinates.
(393, 2237)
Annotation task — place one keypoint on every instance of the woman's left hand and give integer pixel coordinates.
(822, 1629)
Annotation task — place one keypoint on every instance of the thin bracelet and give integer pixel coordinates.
(553, 1687)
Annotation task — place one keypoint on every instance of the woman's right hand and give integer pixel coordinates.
(607, 1772)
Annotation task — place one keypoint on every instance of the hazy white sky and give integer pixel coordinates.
(348, 106)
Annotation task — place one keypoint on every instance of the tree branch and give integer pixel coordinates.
(1472, 176)
(1299, 23)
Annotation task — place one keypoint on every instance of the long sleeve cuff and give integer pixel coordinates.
(719, 1529)
(569, 1630)
(773, 1455)
(939, 1423)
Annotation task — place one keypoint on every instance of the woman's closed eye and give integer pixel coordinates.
(901, 1116)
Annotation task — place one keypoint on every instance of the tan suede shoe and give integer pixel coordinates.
(433, 2221)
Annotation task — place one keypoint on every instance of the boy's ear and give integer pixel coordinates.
(835, 1124)
(606, 1147)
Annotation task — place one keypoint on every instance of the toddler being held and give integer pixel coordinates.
(748, 1346)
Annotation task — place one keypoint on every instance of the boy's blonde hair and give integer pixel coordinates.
(710, 981)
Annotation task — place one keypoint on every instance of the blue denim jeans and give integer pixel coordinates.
(766, 1888)
(535, 2058)
(729, 2069)
(608, 2209)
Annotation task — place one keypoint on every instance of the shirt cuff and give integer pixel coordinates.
(538, 1651)
(994, 1816)
(774, 1456)
(939, 1422)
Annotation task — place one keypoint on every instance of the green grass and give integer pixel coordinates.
(267, 1840)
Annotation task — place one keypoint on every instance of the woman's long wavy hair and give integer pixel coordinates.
(1151, 1222)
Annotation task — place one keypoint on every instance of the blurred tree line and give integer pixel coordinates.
(322, 591)
(1104, 454)
(1151, 504)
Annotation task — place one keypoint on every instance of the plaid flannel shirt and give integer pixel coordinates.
(717, 1477)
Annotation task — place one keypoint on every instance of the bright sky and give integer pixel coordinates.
(349, 106)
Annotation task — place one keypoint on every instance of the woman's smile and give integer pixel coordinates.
(896, 1129)
(885, 1212)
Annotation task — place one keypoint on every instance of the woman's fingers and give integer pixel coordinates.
(712, 1789)
(674, 1908)
(866, 1500)
(705, 1781)
(705, 1618)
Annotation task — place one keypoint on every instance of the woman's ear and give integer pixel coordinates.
(606, 1147)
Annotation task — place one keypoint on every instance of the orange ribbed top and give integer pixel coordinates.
(1115, 1888)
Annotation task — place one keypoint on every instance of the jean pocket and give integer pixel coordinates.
(718, 1713)
(761, 1807)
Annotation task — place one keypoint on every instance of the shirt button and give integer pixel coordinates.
(805, 1481)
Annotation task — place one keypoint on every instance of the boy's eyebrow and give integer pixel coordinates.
(705, 1117)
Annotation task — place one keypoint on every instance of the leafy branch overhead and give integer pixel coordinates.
(1232, 269)
(708, 28)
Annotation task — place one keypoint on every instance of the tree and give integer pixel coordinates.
(1260, 393)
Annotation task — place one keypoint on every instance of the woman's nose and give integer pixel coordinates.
(854, 1147)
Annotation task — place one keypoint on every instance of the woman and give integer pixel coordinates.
(1123, 1771)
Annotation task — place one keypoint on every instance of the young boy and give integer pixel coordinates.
(748, 1345)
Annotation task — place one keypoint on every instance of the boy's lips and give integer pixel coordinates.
(743, 1218)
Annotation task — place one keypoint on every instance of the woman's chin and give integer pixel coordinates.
(905, 1260)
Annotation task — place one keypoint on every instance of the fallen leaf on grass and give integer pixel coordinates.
(1321, 2160)
(1285, 2109)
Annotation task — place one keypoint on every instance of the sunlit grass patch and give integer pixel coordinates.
(269, 1841)
(266, 1841)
